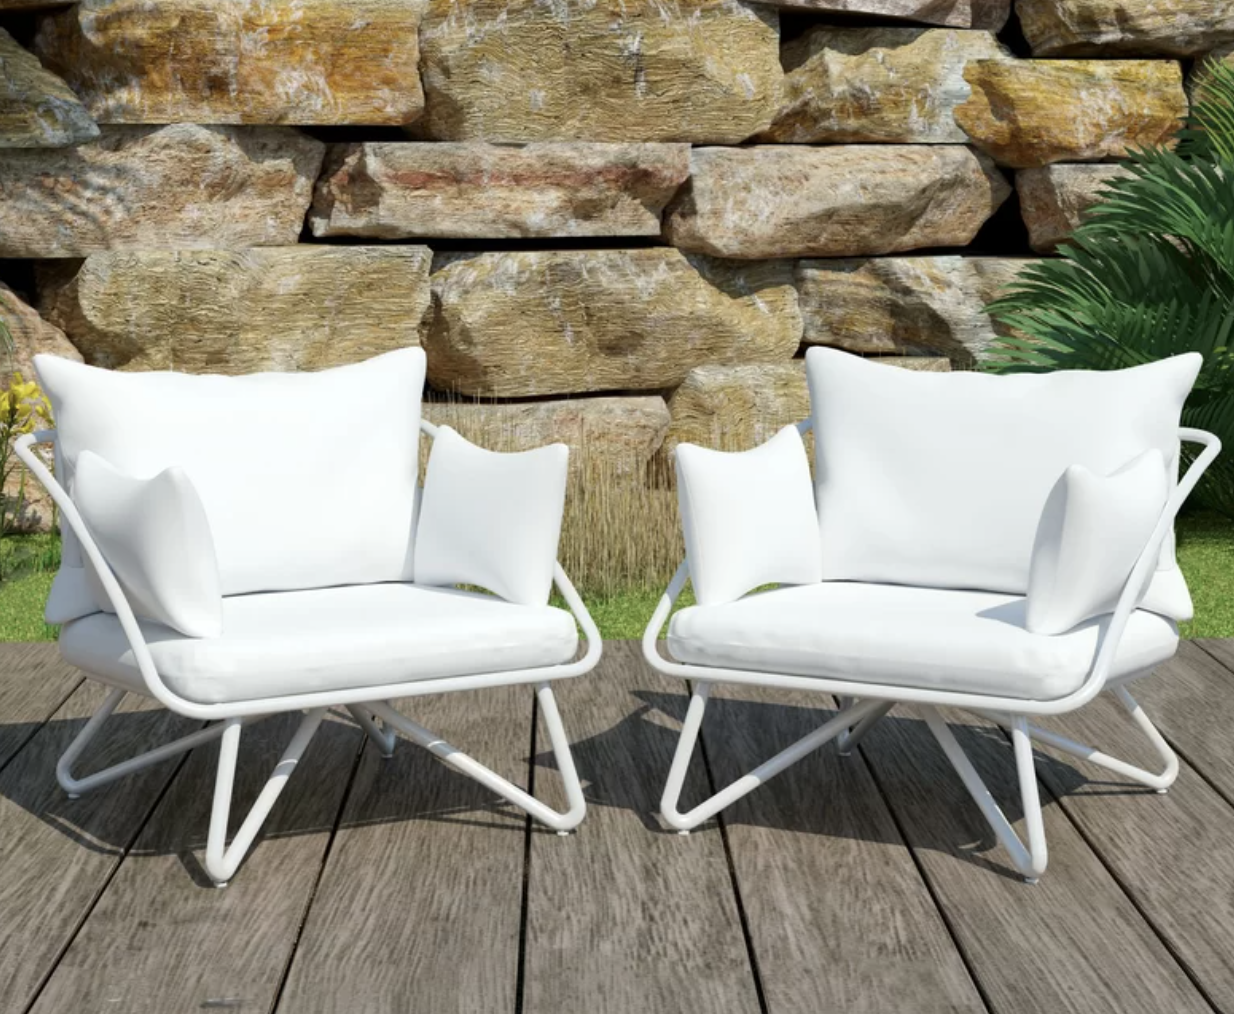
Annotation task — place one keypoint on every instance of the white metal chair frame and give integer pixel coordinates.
(367, 705)
(864, 704)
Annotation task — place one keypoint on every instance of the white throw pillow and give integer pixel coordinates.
(154, 535)
(307, 479)
(939, 479)
(1092, 530)
(491, 519)
(748, 517)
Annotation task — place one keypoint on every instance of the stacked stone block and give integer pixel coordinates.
(615, 222)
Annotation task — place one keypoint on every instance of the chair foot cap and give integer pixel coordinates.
(220, 884)
(1162, 792)
(1031, 880)
(683, 832)
(563, 834)
(73, 795)
(845, 753)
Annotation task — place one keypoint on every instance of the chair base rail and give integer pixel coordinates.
(222, 859)
(856, 718)
(507, 790)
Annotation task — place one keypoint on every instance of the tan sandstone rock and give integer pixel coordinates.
(735, 408)
(842, 201)
(477, 190)
(607, 70)
(37, 109)
(877, 84)
(31, 335)
(1054, 198)
(905, 305)
(166, 187)
(242, 311)
(1127, 28)
(618, 434)
(1027, 113)
(236, 61)
(527, 323)
(987, 14)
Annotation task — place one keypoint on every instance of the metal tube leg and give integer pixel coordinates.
(565, 759)
(681, 757)
(746, 783)
(76, 786)
(507, 790)
(383, 738)
(222, 860)
(1031, 861)
(1154, 780)
(849, 739)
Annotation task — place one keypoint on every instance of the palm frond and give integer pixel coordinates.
(1149, 274)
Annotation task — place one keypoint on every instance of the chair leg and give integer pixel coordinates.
(1030, 861)
(75, 787)
(562, 823)
(849, 738)
(1160, 781)
(384, 737)
(223, 860)
(746, 784)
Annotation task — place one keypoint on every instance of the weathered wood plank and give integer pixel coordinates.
(162, 939)
(1074, 942)
(419, 905)
(625, 916)
(1191, 700)
(34, 682)
(57, 854)
(1170, 852)
(839, 916)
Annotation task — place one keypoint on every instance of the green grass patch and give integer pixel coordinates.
(1205, 552)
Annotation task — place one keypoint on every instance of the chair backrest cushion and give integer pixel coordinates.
(308, 479)
(939, 479)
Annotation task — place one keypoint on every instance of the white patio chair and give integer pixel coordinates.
(911, 576)
(304, 607)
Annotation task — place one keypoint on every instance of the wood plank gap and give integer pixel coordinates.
(520, 972)
(965, 957)
(36, 727)
(742, 918)
(365, 743)
(107, 881)
(1047, 794)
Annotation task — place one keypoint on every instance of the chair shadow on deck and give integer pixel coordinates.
(623, 768)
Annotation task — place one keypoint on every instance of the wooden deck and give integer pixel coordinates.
(869, 884)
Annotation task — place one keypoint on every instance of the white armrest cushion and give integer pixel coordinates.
(748, 517)
(155, 536)
(491, 519)
(1092, 530)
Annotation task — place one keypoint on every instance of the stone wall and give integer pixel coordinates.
(616, 222)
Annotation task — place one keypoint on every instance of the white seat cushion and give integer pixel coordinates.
(929, 638)
(330, 639)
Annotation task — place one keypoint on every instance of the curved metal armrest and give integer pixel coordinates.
(651, 635)
(90, 549)
(1146, 564)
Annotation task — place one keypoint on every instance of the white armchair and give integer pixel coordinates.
(940, 499)
(305, 617)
